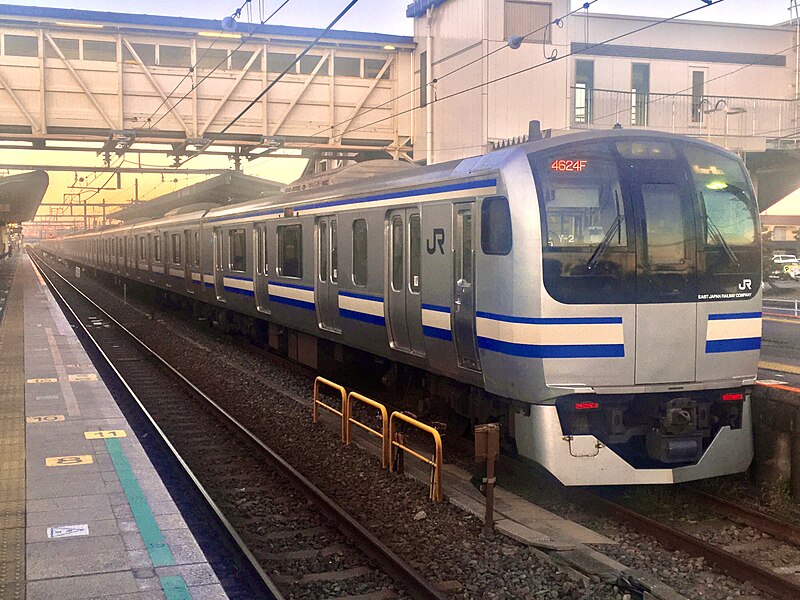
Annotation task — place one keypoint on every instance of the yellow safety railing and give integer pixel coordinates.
(318, 402)
(383, 434)
(436, 480)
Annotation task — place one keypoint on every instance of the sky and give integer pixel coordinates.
(384, 16)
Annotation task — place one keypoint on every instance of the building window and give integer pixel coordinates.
(309, 62)
(21, 45)
(97, 50)
(278, 62)
(176, 249)
(212, 58)
(145, 52)
(347, 67)
(584, 86)
(373, 66)
(240, 58)
(423, 78)
(290, 251)
(174, 56)
(237, 246)
(69, 48)
(495, 226)
(528, 19)
(640, 93)
(698, 91)
(360, 252)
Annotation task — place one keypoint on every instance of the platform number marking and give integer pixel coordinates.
(100, 435)
(83, 377)
(65, 531)
(68, 461)
(45, 419)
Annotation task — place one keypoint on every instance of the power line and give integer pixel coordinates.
(584, 50)
(557, 21)
(263, 92)
(218, 65)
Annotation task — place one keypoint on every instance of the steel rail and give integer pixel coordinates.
(777, 528)
(368, 543)
(730, 564)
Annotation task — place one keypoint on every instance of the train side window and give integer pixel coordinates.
(398, 250)
(360, 252)
(495, 226)
(323, 251)
(157, 248)
(414, 253)
(334, 253)
(236, 245)
(176, 249)
(196, 248)
(290, 251)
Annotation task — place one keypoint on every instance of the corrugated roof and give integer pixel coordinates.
(69, 14)
(20, 196)
(221, 190)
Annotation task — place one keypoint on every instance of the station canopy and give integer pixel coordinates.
(20, 196)
(228, 188)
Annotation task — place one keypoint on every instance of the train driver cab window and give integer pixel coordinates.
(176, 249)
(585, 252)
(360, 252)
(290, 251)
(157, 248)
(236, 246)
(495, 226)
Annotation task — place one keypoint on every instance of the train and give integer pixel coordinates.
(597, 293)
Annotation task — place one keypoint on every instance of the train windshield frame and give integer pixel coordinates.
(645, 221)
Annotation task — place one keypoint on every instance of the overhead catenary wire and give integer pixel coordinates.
(556, 22)
(264, 92)
(584, 50)
(214, 69)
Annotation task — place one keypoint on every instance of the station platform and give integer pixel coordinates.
(83, 512)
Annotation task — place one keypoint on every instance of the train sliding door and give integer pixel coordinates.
(404, 308)
(326, 283)
(261, 272)
(464, 286)
(219, 261)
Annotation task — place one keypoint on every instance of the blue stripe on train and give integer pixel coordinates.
(553, 351)
(728, 316)
(734, 345)
(363, 317)
(550, 320)
(239, 291)
(292, 302)
(436, 332)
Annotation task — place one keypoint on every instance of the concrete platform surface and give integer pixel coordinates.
(83, 512)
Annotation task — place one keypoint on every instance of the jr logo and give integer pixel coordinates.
(436, 240)
(746, 284)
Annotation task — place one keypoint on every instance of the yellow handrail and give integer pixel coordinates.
(318, 402)
(383, 434)
(436, 483)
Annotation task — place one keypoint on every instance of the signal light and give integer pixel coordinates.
(586, 405)
(733, 396)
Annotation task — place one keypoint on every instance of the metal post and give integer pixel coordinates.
(487, 448)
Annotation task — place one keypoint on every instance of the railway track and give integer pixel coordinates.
(748, 562)
(307, 544)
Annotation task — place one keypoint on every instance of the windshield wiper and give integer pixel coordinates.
(616, 227)
(717, 235)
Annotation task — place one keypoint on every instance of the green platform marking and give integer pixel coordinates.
(175, 588)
